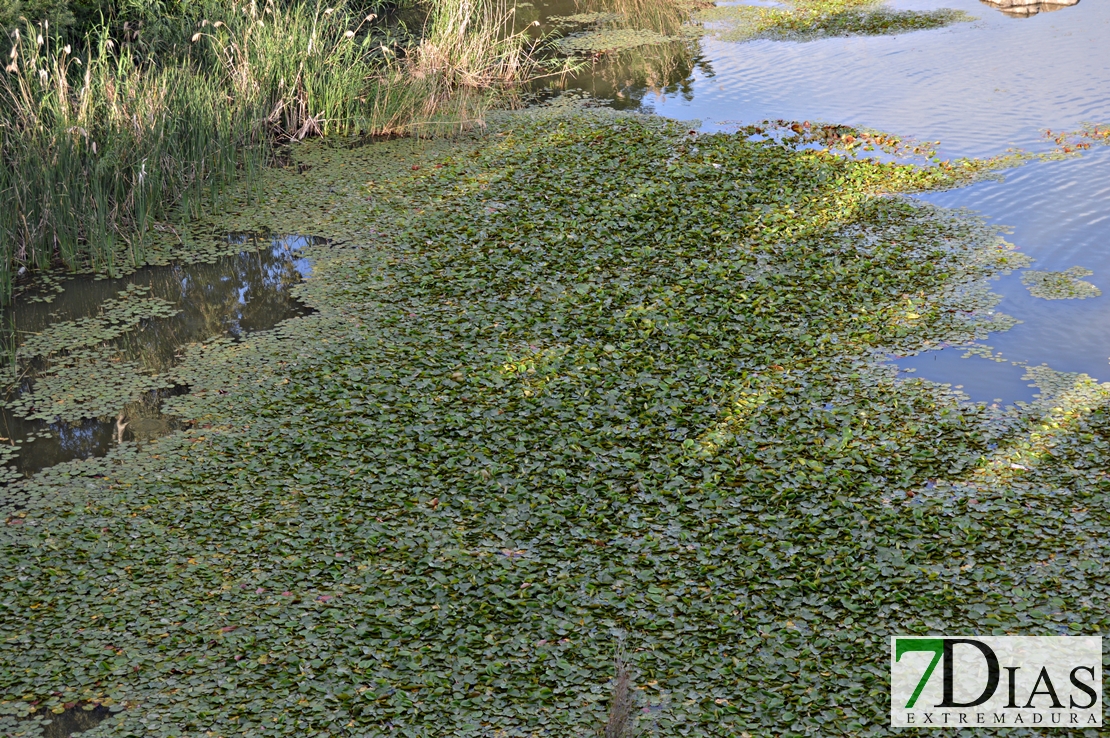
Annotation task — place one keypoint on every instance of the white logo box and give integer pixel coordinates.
(996, 681)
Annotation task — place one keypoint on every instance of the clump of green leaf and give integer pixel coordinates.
(1065, 285)
(803, 20)
(116, 317)
(587, 19)
(1096, 133)
(8, 451)
(76, 374)
(610, 40)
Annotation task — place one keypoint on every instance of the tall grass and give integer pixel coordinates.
(97, 150)
(472, 44)
(102, 148)
(301, 70)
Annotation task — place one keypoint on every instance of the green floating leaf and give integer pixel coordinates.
(117, 317)
(92, 383)
(613, 39)
(1064, 285)
(576, 381)
(805, 20)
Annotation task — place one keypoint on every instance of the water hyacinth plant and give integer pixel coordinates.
(811, 19)
(587, 375)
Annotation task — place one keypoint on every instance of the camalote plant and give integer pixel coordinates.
(77, 367)
(584, 377)
(808, 19)
(1064, 285)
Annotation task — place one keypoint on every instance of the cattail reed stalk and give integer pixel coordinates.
(622, 717)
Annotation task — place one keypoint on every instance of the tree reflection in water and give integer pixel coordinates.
(623, 77)
(232, 296)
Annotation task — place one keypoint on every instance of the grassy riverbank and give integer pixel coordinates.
(111, 145)
(587, 380)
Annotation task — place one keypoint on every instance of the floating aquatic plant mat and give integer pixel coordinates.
(611, 40)
(583, 380)
(1065, 285)
(619, 25)
(116, 317)
(76, 370)
(802, 20)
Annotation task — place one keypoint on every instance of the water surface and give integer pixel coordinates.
(232, 296)
(979, 88)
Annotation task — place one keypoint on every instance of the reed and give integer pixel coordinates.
(473, 44)
(97, 149)
(622, 706)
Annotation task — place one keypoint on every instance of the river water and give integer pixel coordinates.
(979, 89)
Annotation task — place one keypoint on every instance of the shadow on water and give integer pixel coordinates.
(44, 724)
(233, 296)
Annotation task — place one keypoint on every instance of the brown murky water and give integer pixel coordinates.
(235, 295)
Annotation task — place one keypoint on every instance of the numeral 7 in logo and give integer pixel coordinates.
(908, 645)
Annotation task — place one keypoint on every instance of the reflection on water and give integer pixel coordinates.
(628, 78)
(233, 296)
(1026, 8)
(624, 78)
(979, 89)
